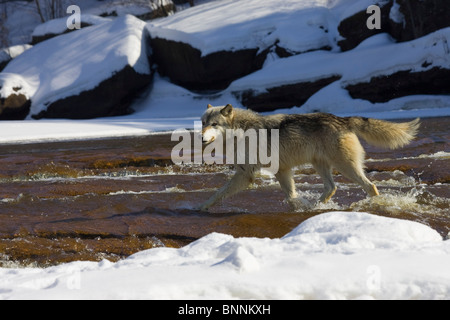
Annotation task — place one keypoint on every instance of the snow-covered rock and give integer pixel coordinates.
(15, 97)
(378, 70)
(404, 20)
(93, 72)
(207, 47)
(238, 45)
(55, 27)
(353, 29)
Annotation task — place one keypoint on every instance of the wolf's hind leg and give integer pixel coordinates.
(355, 172)
(324, 170)
(349, 162)
(358, 176)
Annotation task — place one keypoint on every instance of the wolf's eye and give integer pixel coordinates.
(214, 124)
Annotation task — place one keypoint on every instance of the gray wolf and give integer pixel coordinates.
(321, 139)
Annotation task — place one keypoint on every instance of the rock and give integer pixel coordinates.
(14, 97)
(35, 39)
(419, 18)
(186, 66)
(404, 20)
(286, 96)
(14, 107)
(56, 27)
(94, 72)
(402, 83)
(180, 2)
(354, 28)
(112, 97)
(201, 52)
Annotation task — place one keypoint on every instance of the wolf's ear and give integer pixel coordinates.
(209, 106)
(227, 110)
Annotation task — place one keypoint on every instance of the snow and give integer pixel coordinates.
(395, 14)
(59, 26)
(378, 55)
(60, 67)
(335, 255)
(222, 25)
(347, 8)
(7, 54)
(21, 18)
(169, 107)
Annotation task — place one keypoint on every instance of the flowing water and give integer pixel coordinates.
(90, 200)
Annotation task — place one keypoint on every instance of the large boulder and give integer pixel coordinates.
(14, 97)
(285, 96)
(56, 27)
(111, 97)
(186, 66)
(207, 47)
(404, 20)
(94, 72)
(412, 19)
(354, 28)
(383, 88)
(378, 70)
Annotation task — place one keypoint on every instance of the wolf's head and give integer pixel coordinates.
(215, 122)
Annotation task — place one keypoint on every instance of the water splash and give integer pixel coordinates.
(418, 201)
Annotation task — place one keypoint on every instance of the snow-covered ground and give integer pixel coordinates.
(336, 255)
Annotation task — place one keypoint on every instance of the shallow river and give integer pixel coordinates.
(91, 200)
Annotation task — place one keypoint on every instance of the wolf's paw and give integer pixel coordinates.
(300, 204)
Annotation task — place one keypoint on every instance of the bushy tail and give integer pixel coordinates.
(385, 134)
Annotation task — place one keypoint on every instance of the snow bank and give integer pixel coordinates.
(68, 65)
(336, 255)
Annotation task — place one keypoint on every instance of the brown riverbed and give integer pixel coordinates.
(90, 200)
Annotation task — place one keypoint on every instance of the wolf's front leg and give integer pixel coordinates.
(240, 181)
